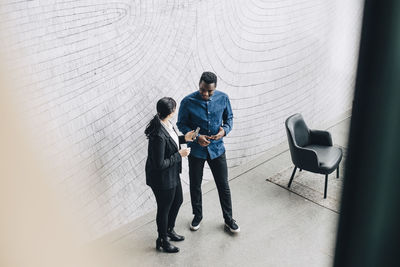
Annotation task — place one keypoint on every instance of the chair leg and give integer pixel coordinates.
(291, 178)
(326, 185)
(337, 172)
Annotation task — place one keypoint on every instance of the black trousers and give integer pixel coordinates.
(219, 170)
(168, 203)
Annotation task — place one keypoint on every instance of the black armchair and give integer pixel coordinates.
(311, 150)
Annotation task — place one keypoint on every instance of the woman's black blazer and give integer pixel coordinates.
(164, 163)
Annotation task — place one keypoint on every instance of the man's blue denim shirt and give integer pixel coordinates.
(209, 116)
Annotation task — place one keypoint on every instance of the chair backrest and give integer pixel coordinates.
(297, 131)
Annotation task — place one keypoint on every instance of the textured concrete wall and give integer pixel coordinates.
(91, 72)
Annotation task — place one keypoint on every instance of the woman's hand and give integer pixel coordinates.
(184, 152)
(190, 136)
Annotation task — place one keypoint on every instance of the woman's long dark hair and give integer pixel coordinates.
(165, 106)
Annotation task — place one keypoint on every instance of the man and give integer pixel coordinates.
(211, 111)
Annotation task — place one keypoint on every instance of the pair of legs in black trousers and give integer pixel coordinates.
(219, 170)
(168, 203)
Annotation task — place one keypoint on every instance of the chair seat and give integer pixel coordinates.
(329, 157)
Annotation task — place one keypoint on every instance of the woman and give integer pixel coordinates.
(163, 166)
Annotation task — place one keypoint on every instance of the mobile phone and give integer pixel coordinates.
(196, 133)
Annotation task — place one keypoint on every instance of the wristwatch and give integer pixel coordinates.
(196, 139)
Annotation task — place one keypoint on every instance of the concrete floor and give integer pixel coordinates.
(278, 228)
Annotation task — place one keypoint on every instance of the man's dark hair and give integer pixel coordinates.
(209, 78)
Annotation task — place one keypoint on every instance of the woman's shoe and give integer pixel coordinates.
(174, 236)
(163, 245)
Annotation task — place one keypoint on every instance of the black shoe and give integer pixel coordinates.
(195, 225)
(232, 226)
(174, 236)
(163, 245)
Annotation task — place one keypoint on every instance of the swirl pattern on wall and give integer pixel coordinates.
(90, 73)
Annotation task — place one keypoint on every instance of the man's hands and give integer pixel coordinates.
(219, 135)
(203, 140)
